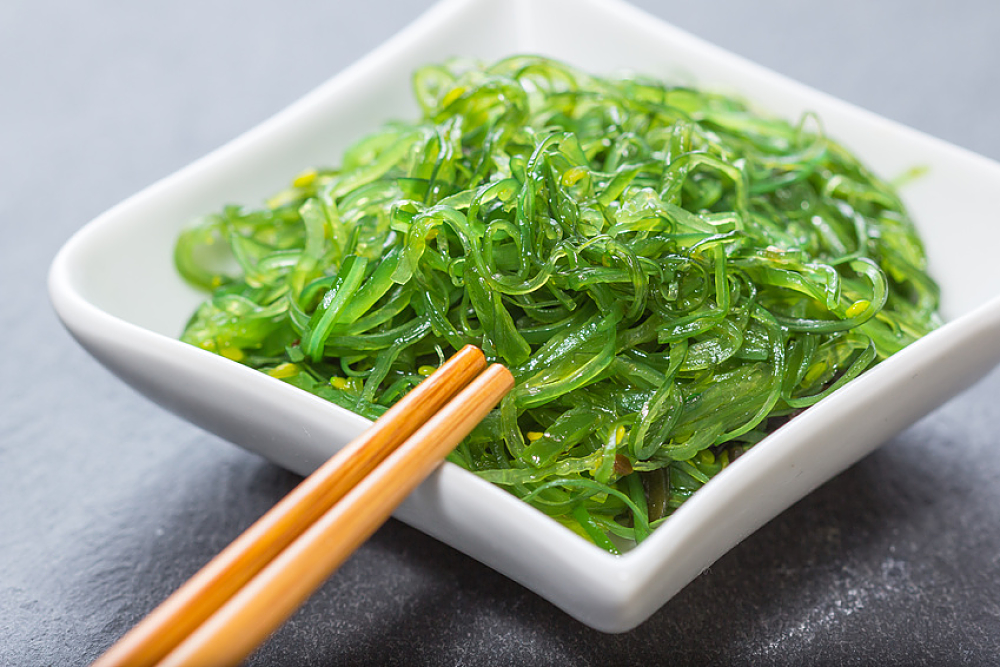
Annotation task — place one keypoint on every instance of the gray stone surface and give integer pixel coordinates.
(107, 503)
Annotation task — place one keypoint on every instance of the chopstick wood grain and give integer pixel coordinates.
(260, 607)
(202, 595)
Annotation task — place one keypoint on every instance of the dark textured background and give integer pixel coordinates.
(107, 503)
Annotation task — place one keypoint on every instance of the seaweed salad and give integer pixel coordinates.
(668, 274)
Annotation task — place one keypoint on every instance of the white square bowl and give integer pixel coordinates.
(116, 290)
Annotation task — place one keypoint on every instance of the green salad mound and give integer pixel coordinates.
(668, 275)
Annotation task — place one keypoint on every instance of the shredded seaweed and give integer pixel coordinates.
(669, 275)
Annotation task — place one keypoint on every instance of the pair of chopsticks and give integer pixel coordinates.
(246, 592)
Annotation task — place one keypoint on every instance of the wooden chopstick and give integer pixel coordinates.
(279, 589)
(213, 586)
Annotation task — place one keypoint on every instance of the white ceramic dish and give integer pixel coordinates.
(130, 325)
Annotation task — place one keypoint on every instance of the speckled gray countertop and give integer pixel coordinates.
(108, 503)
